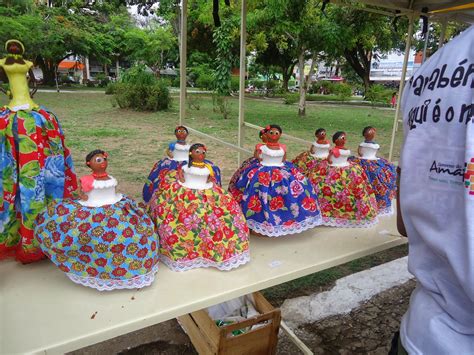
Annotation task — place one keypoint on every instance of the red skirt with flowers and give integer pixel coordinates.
(346, 198)
(199, 228)
(108, 247)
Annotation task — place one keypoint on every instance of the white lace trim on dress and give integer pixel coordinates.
(109, 285)
(281, 230)
(105, 184)
(346, 223)
(273, 152)
(386, 212)
(369, 145)
(226, 265)
(317, 145)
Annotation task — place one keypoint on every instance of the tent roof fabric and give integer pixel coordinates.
(459, 10)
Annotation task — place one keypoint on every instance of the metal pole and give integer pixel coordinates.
(402, 83)
(427, 37)
(444, 23)
(182, 61)
(242, 72)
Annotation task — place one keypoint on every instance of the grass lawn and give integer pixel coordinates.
(136, 140)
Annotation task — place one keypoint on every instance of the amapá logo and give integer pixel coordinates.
(469, 177)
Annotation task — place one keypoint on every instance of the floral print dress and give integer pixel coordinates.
(35, 167)
(275, 196)
(167, 168)
(200, 224)
(382, 176)
(316, 162)
(345, 195)
(106, 242)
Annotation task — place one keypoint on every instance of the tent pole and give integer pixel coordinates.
(242, 72)
(402, 82)
(427, 37)
(182, 61)
(444, 23)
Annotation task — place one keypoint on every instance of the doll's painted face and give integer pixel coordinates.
(181, 134)
(198, 154)
(370, 134)
(321, 136)
(341, 140)
(14, 48)
(272, 135)
(98, 163)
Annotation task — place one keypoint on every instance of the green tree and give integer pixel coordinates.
(356, 35)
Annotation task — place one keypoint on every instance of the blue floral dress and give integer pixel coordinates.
(167, 169)
(275, 197)
(382, 176)
(107, 242)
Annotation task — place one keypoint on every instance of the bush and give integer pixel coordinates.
(90, 84)
(234, 83)
(291, 99)
(110, 88)
(205, 81)
(143, 97)
(139, 74)
(343, 91)
(378, 94)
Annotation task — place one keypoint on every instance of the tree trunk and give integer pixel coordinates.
(359, 59)
(302, 101)
(287, 72)
(48, 71)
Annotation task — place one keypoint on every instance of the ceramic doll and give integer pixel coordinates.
(274, 195)
(316, 158)
(249, 163)
(176, 155)
(345, 195)
(200, 224)
(104, 240)
(35, 164)
(381, 173)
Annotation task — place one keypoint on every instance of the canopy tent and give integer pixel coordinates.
(435, 10)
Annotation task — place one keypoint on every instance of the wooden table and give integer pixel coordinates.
(41, 311)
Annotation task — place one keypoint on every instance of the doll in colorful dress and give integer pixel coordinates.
(35, 164)
(249, 163)
(200, 224)
(104, 240)
(345, 195)
(381, 173)
(316, 158)
(274, 195)
(176, 155)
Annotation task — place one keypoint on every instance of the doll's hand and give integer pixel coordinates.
(169, 153)
(180, 175)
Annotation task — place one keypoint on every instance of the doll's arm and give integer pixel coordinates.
(4, 79)
(312, 149)
(180, 174)
(169, 153)
(32, 80)
(358, 151)
(82, 195)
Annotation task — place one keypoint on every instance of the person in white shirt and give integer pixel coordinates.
(436, 199)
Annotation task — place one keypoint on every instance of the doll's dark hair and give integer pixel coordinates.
(94, 152)
(337, 135)
(319, 130)
(194, 146)
(261, 133)
(366, 129)
(178, 127)
(270, 126)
